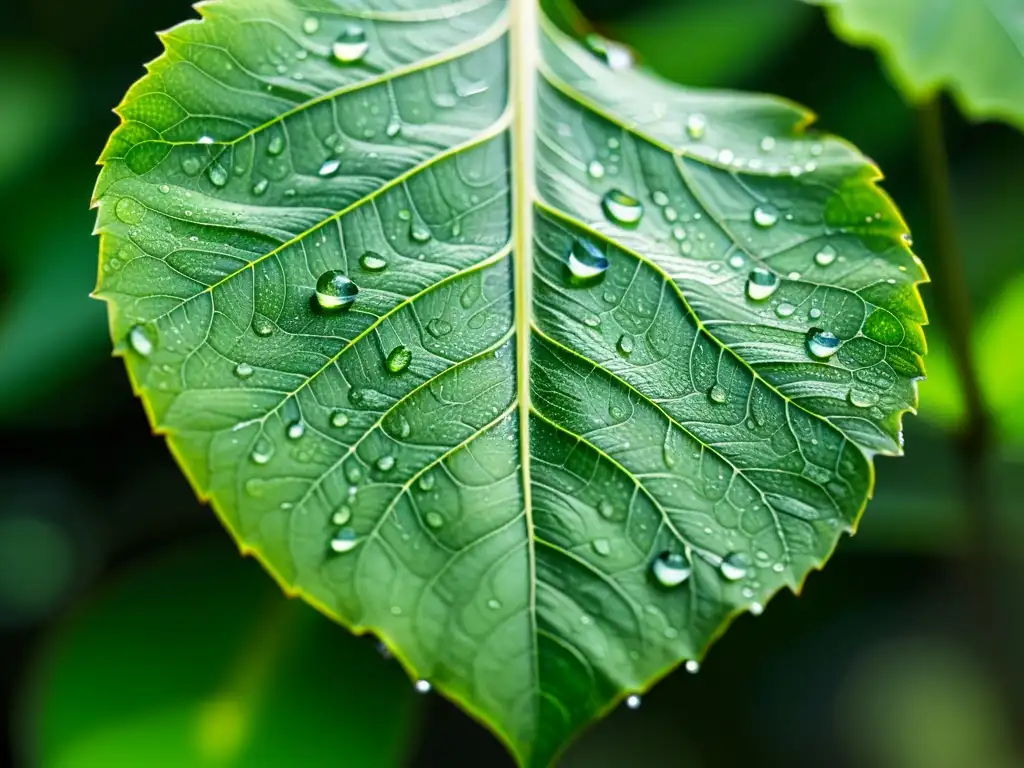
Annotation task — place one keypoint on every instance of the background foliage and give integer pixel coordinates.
(882, 662)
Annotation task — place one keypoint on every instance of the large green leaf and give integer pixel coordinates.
(484, 459)
(974, 48)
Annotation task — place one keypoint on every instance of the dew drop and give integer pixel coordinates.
(493, 604)
(386, 463)
(756, 609)
(726, 157)
(434, 519)
(260, 187)
(206, 140)
(129, 210)
(427, 483)
(616, 56)
(762, 283)
(766, 216)
(244, 370)
(262, 326)
(733, 567)
(633, 702)
(825, 256)
(814, 314)
(602, 547)
(344, 541)
(585, 260)
(373, 262)
(334, 291)
(439, 327)
(862, 399)
(262, 452)
(696, 126)
(139, 340)
(767, 144)
(423, 686)
(165, 188)
(217, 175)
(622, 209)
(717, 394)
(398, 359)
(785, 309)
(625, 345)
(822, 344)
(595, 170)
(342, 516)
(311, 25)
(276, 145)
(736, 261)
(606, 509)
(339, 419)
(671, 569)
(296, 430)
(693, 667)
(351, 44)
(329, 167)
(660, 198)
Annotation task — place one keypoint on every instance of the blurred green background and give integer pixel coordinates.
(133, 634)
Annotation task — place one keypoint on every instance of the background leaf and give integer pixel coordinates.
(197, 661)
(971, 47)
(700, 414)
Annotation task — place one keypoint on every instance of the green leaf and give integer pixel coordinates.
(973, 48)
(191, 661)
(485, 460)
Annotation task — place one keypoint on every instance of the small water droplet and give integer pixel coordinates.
(633, 702)
(276, 145)
(815, 313)
(736, 261)
(342, 516)
(606, 509)
(766, 216)
(595, 170)
(206, 139)
(386, 463)
(260, 187)
(373, 262)
(778, 567)
(423, 686)
(493, 604)
(164, 188)
(625, 345)
(767, 144)
(696, 126)
(427, 483)
(756, 609)
(585, 260)
(398, 359)
(439, 327)
(140, 341)
(296, 430)
(726, 157)
(129, 210)
(717, 394)
(244, 370)
(329, 167)
(762, 283)
(218, 175)
(733, 567)
(602, 547)
(693, 667)
(419, 231)
(671, 569)
(263, 451)
(660, 198)
(351, 45)
(622, 209)
(393, 128)
(339, 419)
(822, 344)
(616, 56)
(785, 309)
(825, 256)
(434, 519)
(344, 541)
(334, 291)
(862, 398)
(906, 238)
(262, 326)
(311, 25)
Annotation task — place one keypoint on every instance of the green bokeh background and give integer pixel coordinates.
(132, 633)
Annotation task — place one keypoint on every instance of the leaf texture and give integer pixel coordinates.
(486, 460)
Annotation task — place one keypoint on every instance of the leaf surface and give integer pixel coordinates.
(974, 48)
(487, 460)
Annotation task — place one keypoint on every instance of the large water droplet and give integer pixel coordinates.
(733, 567)
(625, 345)
(129, 210)
(602, 547)
(218, 175)
(334, 291)
(762, 283)
(276, 145)
(671, 569)
(766, 215)
(339, 419)
(717, 394)
(263, 451)
(825, 256)
(822, 344)
(296, 430)
(613, 54)
(140, 341)
(244, 370)
(622, 209)
(351, 44)
(585, 260)
(206, 140)
(373, 262)
(329, 167)
(398, 359)
(696, 126)
(344, 541)
(386, 463)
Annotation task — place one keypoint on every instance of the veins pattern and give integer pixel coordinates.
(665, 410)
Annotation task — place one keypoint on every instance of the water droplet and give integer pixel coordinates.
(625, 345)
(339, 419)
(351, 44)
(736, 261)
(218, 175)
(244, 370)
(767, 144)
(622, 209)
(262, 326)
(718, 394)
(693, 667)
(815, 313)
(386, 463)
(606, 509)
(671, 569)
(602, 547)
(585, 260)
(756, 609)
(762, 283)
(733, 567)
(329, 167)
(129, 210)
(863, 399)
(696, 126)
(373, 262)
(633, 702)
(766, 216)
(334, 291)
(262, 452)
(613, 54)
(296, 430)
(394, 127)
(595, 170)
(906, 238)
(139, 340)
(398, 359)
(825, 256)
(439, 327)
(434, 519)
(778, 567)
(493, 604)
(260, 187)
(344, 541)
(785, 309)
(276, 145)
(822, 344)
(726, 157)
(469, 296)
(342, 516)
(423, 686)
(660, 198)
(311, 25)
(427, 483)
(419, 231)
(206, 139)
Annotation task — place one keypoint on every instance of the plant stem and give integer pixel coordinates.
(975, 441)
